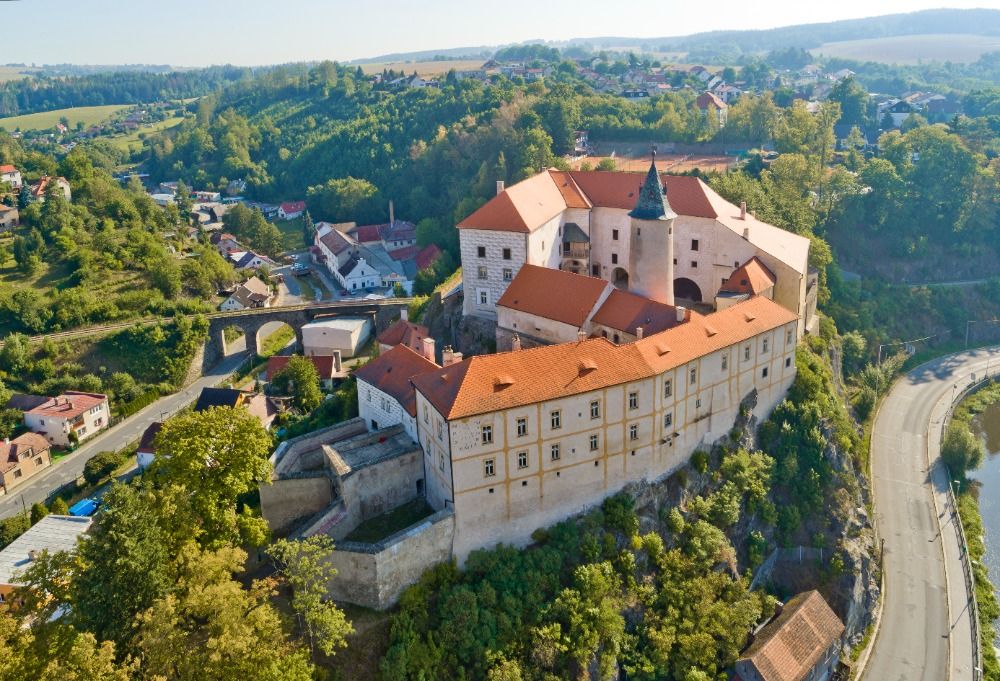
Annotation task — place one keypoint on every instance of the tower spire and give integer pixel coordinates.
(652, 203)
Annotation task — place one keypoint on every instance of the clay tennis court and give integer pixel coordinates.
(674, 163)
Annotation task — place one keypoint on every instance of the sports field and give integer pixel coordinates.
(88, 115)
(672, 163)
(912, 49)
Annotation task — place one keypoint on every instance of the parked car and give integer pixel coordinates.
(300, 269)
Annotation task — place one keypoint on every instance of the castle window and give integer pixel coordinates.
(694, 244)
(766, 344)
(633, 400)
(441, 460)
(668, 419)
(725, 362)
(595, 442)
(506, 254)
(426, 418)
(746, 354)
(522, 459)
(554, 452)
(522, 427)
(788, 362)
(481, 272)
(440, 430)
(556, 419)
(694, 376)
(595, 410)
(763, 372)
(484, 298)
(614, 258)
(675, 261)
(508, 274)
(788, 337)
(595, 270)
(487, 435)
(481, 251)
(697, 403)
(633, 432)
(489, 468)
(614, 235)
(694, 264)
(638, 231)
(668, 388)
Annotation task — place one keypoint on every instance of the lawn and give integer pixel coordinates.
(913, 49)
(308, 293)
(132, 141)
(378, 528)
(276, 341)
(291, 234)
(88, 115)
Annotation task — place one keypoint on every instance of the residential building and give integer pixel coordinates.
(256, 403)
(69, 418)
(711, 105)
(801, 643)
(403, 332)
(21, 458)
(586, 222)
(337, 336)
(52, 534)
(147, 445)
(248, 260)
(9, 217)
(225, 243)
(385, 392)
(327, 367)
(10, 175)
(39, 189)
(291, 210)
(253, 293)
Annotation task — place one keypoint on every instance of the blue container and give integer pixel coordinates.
(84, 507)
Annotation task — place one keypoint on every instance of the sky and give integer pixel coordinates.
(255, 32)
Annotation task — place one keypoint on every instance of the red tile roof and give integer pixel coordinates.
(325, 365)
(8, 169)
(406, 333)
(626, 311)
(553, 294)
(293, 206)
(487, 383)
(427, 257)
(791, 644)
(752, 277)
(392, 371)
(10, 452)
(687, 195)
(68, 405)
(366, 234)
(707, 99)
(521, 208)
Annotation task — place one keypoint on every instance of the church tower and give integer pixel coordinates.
(651, 251)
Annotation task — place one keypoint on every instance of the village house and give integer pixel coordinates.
(356, 267)
(39, 189)
(52, 534)
(146, 451)
(10, 175)
(225, 243)
(254, 402)
(403, 332)
(711, 105)
(253, 293)
(248, 260)
(9, 217)
(385, 392)
(801, 643)
(291, 210)
(21, 458)
(69, 418)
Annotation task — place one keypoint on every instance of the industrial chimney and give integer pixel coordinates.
(392, 214)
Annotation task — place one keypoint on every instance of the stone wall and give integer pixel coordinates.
(374, 575)
(379, 488)
(287, 500)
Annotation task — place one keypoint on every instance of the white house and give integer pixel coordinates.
(338, 336)
(250, 294)
(385, 393)
(68, 417)
(291, 210)
(11, 176)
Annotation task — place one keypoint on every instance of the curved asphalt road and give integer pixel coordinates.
(925, 632)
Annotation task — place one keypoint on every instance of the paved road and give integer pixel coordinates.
(925, 634)
(130, 430)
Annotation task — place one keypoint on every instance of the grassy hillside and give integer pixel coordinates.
(133, 141)
(913, 49)
(88, 115)
(423, 68)
(13, 73)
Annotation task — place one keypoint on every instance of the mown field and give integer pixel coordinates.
(913, 49)
(133, 140)
(88, 115)
(14, 73)
(424, 68)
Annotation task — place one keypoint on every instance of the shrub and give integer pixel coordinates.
(102, 465)
(59, 507)
(700, 461)
(38, 511)
(961, 450)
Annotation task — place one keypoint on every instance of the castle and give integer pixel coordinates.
(616, 368)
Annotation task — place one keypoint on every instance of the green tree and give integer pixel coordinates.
(305, 565)
(59, 507)
(961, 450)
(216, 456)
(300, 379)
(38, 511)
(342, 199)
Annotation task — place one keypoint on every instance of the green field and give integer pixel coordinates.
(913, 49)
(88, 115)
(131, 142)
(14, 72)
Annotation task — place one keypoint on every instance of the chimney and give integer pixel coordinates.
(743, 210)
(500, 185)
(746, 233)
(404, 314)
(449, 357)
(681, 312)
(581, 335)
(32, 555)
(429, 348)
(392, 213)
(638, 333)
(515, 343)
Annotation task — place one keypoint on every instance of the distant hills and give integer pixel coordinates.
(727, 44)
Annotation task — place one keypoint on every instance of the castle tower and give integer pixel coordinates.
(651, 251)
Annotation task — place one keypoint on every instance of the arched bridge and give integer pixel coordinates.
(251, 321)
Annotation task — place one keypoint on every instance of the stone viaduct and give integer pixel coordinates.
(250, 322)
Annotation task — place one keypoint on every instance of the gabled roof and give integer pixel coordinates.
(392, 371)
(7, 169)
(366, 234)
(10, 452)
(404, 332)
(521, 208)
(427, 256)
(337, 241)
(752, 277)
(626, 312)
(553, 294)
(488, 383)
(293, 206)
(148, 440)
(791, 644)
(707, 99)
(219, 397)
(69, 405)
(572, 234)
(53, 533)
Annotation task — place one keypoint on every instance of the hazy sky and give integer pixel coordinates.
(199, 32)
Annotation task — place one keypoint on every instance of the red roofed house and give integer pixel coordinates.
(406, 333)
(385, 393)
(753, 278)
(291, 210)
(68, 417)
(11, 176)
(711, 105)
(39, 189)
(147, 445)
(21, 458)
(327, 367)
(801, 643)
(427, 257)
